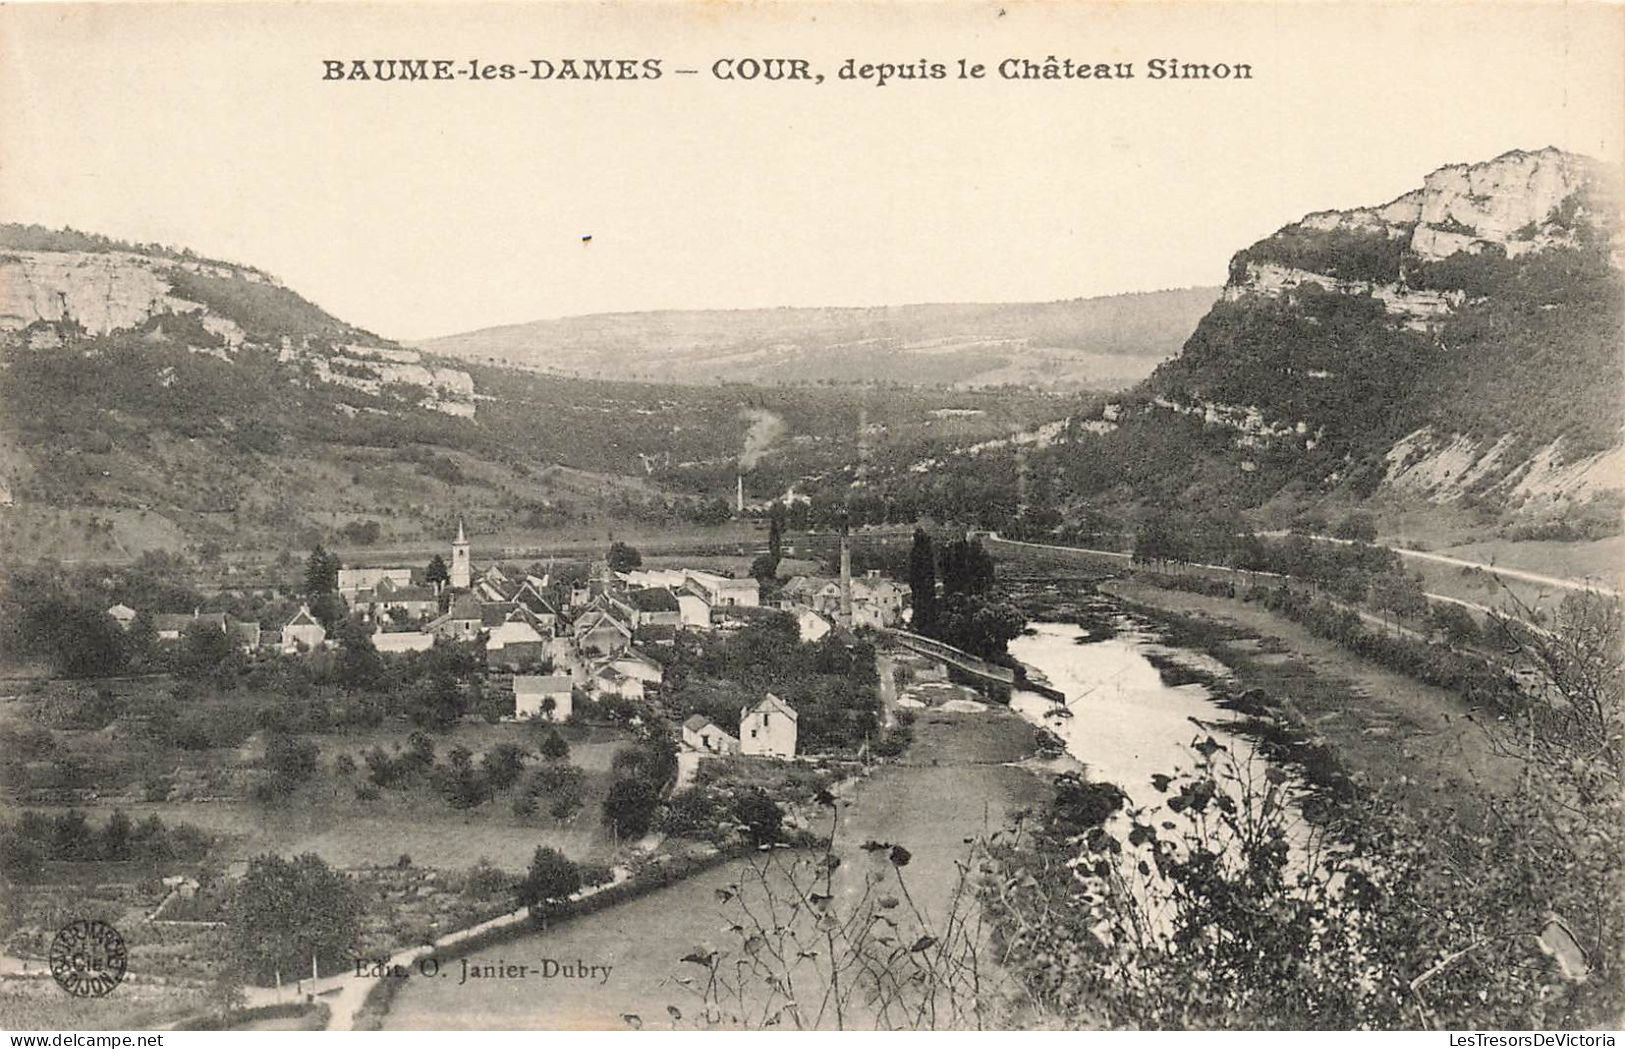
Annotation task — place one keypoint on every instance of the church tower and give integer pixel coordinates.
(462, 571)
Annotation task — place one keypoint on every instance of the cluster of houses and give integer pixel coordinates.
(590, 630)
(766, 729)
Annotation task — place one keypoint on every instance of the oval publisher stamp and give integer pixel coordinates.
(88, 958)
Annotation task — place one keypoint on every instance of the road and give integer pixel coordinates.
(345, 992)
(1484, 610)
(1458, 562)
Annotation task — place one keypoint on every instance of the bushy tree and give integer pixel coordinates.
(760, 814)
(552, 878)
(359, 664)
(321, 572)
(630, 806)
(287, 914)
(437, 574)
(623, 558)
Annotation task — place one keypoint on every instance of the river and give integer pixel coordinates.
(1124, 722)
(963, 777)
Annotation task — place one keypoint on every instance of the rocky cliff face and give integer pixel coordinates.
(52, 299)
(1459, 342)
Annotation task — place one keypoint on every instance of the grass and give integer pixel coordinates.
(327, 818)
(953, 784)
(1383, 727)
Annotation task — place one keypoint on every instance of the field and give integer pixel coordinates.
(1383, 727)
(952, 784)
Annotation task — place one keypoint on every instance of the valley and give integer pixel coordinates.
(1233, 615)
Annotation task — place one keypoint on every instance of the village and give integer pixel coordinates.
(556, 635)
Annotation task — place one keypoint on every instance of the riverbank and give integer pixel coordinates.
(1423, 744)
(962, 777)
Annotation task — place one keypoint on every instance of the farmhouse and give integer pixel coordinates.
(694, 611)
(723, 592)
(515, 643)
(541, 696)
(813, 626)
(462, 621)
(397, 600)
(352, 581)
(607, 681)
(654, 607)
(122, 614)
(303, 631)
(601, 633)
(768, 729)
(702, 734)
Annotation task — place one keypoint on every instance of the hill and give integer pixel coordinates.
(150, 398)
(1101, 343)
(1458, 346)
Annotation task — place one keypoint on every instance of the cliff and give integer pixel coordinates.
(1459, 344)
(61, 290)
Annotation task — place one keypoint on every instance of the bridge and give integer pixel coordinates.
(975, 666)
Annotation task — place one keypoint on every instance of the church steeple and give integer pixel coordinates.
(462, 569)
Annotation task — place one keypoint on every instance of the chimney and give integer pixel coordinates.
(846, 580)
(739, 500)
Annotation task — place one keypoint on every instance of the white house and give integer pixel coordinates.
(812, 625)
(694, 611)
(607, 681)
(635, 664)
(303, 630)
(702, 734)
(768, 729)
(647, 577)
(354, 580)
(122, 614)
(514, 631)
(531, 693)
(723, 592)
(402, 641)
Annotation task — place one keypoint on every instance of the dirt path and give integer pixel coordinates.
(1386, 728)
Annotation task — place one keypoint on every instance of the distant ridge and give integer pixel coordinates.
(1097, 343)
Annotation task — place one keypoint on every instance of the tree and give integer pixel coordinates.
(287, 915)
(1455, 623)
(762, 817)
(630, 805)
(321, 572)
(141, 640)
(329, 609)
(435, 701)
(966, 568)
(922, 583)
(437, 574)
(764, 569)
(359, 664)
(78, 640)
(1155, 541)
(206, 652)
(289, 762)
(554, 748)
(1357, 526)
(623, 558)
(461, 783)
(501, 765)
(552, 878)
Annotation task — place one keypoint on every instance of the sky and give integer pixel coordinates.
(422, 209)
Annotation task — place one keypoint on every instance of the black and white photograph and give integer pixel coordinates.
(695, 515)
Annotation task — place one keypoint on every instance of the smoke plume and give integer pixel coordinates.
(765, 428)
